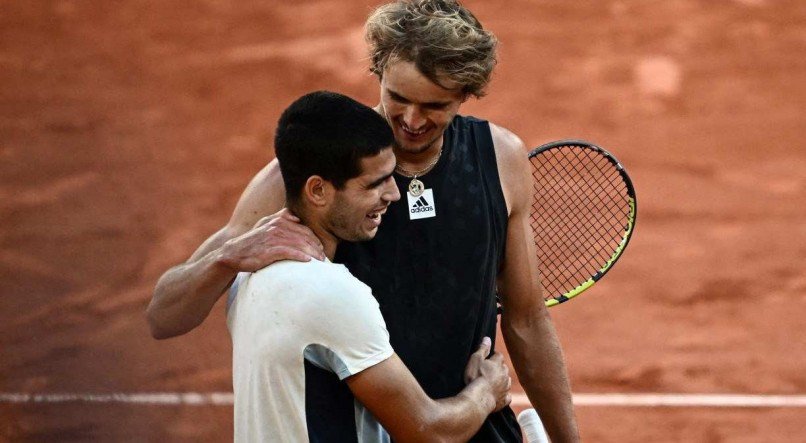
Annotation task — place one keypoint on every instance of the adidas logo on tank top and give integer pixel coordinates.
(422, 206)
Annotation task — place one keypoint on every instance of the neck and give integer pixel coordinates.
(329, 241)
(413, 161)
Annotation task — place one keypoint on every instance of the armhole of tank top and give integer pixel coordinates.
(489, 155)
(493, 179)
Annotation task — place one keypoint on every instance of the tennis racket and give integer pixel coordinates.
(583, 215)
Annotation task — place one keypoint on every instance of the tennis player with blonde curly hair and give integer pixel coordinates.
(459, 235)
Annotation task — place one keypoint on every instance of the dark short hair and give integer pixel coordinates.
(327, 134)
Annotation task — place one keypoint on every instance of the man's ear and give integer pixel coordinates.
(317, 191)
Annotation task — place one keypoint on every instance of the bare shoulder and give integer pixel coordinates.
(264, 196)
(513, 165)
(506, 142)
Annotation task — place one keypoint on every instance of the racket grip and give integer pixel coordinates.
(533, 431)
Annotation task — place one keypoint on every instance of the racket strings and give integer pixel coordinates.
(580, 215)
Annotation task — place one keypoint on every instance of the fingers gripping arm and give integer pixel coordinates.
(185, 294)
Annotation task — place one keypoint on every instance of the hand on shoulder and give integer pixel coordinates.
(277, 237)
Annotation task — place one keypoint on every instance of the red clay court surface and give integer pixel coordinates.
(128, 130)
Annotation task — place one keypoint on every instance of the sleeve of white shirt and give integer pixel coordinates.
(354, 335)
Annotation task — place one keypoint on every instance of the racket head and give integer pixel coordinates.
(583, 215)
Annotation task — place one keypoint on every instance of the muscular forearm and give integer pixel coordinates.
(395, 398)
(462, 416)
(458, 418)
(538, 361)
(185, 295)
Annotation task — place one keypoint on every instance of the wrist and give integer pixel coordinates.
(482, 394)
(223, 260)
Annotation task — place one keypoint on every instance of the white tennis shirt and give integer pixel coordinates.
(284, 314)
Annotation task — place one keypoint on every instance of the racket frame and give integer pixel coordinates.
(555, 300)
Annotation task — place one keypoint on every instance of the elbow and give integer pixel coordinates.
(157, 331)
(515, 327)
(160, 334)
(157, 326)
(525, 319)
(152, 317)
(161, 315)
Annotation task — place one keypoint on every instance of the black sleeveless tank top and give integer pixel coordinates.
(435, 277)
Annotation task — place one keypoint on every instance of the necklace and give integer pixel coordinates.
(416, 187)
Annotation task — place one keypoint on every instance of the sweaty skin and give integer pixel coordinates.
(418, 111)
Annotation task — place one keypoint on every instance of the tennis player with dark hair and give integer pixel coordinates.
(460, 234)
(293, 317)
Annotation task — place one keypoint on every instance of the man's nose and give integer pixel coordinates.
(413, 117)
(392, 194)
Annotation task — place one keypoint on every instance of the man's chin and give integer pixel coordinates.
(362, 236)
(369, 235)
(414, 149)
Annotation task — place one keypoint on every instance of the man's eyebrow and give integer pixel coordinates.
(398, 97)
(378, 182)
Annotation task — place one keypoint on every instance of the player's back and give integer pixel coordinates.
(285, 314)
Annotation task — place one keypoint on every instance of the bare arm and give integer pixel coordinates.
(185, 294)
(525, 324)
(395, 398)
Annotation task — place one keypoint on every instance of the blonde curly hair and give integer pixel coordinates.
(443, 39)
